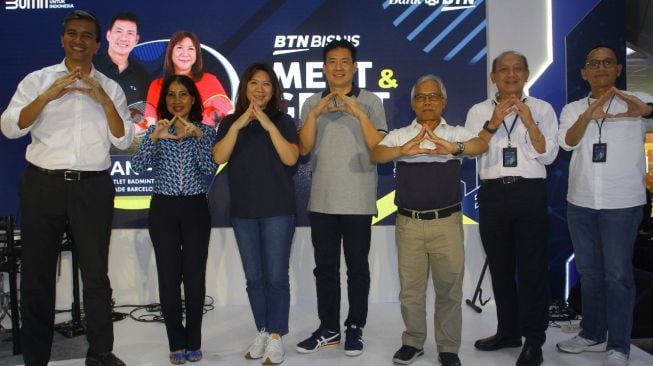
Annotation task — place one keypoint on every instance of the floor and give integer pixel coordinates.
(228, 331)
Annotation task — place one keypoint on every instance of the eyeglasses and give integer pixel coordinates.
(595, 64)
(431, 97)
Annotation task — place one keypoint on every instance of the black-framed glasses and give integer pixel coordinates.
(595, 64)
(431, 97)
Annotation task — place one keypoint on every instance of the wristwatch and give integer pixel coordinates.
(486, 127)
(460, 149)
(650, 115)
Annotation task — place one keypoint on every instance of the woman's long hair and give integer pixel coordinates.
(197, 70)
(275, 105)
(195, 114)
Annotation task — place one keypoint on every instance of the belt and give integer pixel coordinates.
(68, 174)
(504, 180)
(429, 215)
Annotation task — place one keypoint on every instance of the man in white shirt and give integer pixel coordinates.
(606, 133)
(522, 133)
(429, 230)
(73, 114)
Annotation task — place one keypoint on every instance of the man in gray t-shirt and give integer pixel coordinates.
(341, 126)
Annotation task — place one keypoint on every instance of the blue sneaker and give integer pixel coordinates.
(320, 338)
(354, 340)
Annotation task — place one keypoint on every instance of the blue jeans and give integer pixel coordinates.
(603, 242)
(264, 246)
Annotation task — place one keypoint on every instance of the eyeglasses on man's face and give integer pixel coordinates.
(431, 97)
(595, 64)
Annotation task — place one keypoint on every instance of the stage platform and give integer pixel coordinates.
(228, 331)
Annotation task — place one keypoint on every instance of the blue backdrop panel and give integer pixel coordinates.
(396, 43)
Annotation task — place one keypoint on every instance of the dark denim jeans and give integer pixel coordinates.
(603, 241)
(264, 246)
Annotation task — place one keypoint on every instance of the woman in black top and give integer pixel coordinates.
(260, 143)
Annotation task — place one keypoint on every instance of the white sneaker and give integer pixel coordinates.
(256, 350)
(274, 352)
(579, 344)
(615, 358)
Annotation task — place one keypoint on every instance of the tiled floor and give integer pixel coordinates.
(228, 331)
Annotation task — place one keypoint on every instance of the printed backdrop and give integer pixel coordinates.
(397, 42)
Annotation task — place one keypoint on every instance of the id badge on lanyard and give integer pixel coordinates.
(600, 149)
(510, 157)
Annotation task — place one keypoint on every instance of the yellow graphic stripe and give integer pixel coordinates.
(220, 167)
(386, 207)
(132, 202)
(468, 221)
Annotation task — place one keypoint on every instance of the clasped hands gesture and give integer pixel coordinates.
(421, 144)
(338, 102)
(183, 129)
(512, 105)
(253, 112)
(68, 83)
(635, 107)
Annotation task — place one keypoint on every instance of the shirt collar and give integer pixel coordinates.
(495, 99)
(61, 68)
(107, 60)
(418, 126)
(355, 91)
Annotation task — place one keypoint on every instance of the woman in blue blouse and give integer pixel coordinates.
(260, 143)
(178, 149)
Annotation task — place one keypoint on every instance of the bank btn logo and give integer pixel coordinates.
(37, 4)
(447, 5)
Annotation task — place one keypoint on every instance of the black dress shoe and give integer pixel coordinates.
(530, 356)
(103, 359)
(496, 342)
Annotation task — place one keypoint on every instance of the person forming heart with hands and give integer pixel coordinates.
(428, 154)
(178, 149)
(259, 142)
(605, 132)
(427, 142)
(182, 129)
(74, 116)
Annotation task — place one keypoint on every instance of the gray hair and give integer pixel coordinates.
(427, 78)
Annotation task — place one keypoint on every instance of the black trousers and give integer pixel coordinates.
(180, 227)
(47, 204)
(327, 233)
(513, 227)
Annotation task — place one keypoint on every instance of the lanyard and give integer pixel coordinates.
(600, 124)
(509, 131)
(514, 121)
